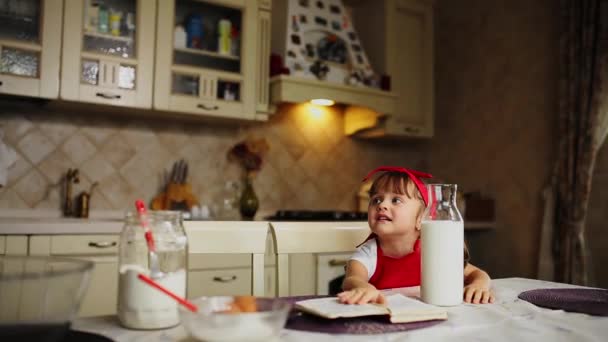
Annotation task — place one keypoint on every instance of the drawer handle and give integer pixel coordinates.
(224, 279)
(412, 129)
(337, 262)
(1, 83)
(108, 96)
(104, 244)
(204, 106)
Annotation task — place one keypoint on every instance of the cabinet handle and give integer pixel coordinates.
(1, 83)
(104, 244)
(412, 129)
(108, 96)
(337, 262)
(203, 106)
(224, 279)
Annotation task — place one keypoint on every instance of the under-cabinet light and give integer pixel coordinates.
(322, 102)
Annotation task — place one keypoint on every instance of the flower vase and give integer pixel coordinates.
(249, 201)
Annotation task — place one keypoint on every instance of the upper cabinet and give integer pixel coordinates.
(108, 52)
(30, 41)
(398, 37)
(210, 56)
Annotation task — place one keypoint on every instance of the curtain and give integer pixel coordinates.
(582, 111)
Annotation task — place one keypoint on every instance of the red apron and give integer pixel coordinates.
(397, 272)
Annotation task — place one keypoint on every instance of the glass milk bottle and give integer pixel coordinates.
(442, 247)
(141, 306)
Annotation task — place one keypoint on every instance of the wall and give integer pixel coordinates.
(310, 165)
(496, 93)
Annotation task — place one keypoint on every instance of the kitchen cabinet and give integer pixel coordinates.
(398, 38)
(228, 274)
(13, 245)
(102, 250)
(30, 43)
(225, 274)
(212, 56)
(108, 52)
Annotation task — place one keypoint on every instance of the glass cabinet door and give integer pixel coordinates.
(20, 23)
(108, 51)
(29, 53)
(207, 36)
(109, 29)
(210, 62)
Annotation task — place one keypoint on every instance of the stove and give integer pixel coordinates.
(318, 215)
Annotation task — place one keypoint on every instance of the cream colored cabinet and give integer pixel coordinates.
(108, 52)
(225, 274)
(102, 250)
(209, 57)
(13, 245)
(262, 69)
(228, 274)
(30, 47)
(398, 37)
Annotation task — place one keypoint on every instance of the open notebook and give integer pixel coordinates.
(400, 308)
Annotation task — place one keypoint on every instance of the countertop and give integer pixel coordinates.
(50, 225)
(36, 222)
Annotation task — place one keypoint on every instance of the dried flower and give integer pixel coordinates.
(249, 154)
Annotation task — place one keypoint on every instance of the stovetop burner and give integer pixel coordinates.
(318, 215)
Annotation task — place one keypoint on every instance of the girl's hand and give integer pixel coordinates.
(476, 294)
(362, 295)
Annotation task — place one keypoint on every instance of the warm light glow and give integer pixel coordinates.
(322, 102)
(316, 112)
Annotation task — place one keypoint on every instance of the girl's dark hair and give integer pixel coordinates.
(397, 182)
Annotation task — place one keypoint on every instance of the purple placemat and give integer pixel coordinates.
(357, 325)
(589, 301)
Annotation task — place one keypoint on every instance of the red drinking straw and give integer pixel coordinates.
(179, 299)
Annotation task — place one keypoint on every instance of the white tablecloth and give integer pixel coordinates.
(508, 319)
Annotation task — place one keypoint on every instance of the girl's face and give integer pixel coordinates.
(392, 213)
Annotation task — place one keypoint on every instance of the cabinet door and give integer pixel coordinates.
(220, 282)
(409, 52)
(108, 52)
(102, 293)
(270, 281)
(205, 57)
(13, 245)
(30, 41)
(263, 62)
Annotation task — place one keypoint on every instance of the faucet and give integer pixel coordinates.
(68, 205)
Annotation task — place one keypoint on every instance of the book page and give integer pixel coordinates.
(404, 309)
(332, 308)
(400, 303)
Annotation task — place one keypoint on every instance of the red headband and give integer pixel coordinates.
(413, 174)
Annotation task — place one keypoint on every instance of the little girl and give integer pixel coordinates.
(390, 257)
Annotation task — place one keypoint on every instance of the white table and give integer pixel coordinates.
(508, 319)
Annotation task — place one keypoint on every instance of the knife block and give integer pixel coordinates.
(176, 197)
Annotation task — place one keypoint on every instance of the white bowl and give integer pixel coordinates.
(210, 323)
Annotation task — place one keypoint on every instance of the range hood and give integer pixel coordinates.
(322, 58)
(293, 89)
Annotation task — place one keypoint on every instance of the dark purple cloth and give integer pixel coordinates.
(589, 301)
(357, 325)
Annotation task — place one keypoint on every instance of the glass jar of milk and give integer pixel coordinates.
(139, 305)
(442, 247)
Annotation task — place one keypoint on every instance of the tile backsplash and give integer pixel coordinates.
(310, 165)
